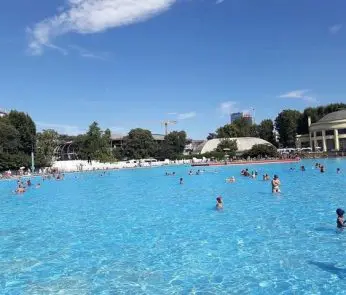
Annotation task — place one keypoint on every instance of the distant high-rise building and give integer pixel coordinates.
(240, 115)
(236, 116)
(248, 118)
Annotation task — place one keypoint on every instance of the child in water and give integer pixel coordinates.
(231, 179)
(340, 223)
(219, 203)
(181, 181)
(276, 184)
(266, 177)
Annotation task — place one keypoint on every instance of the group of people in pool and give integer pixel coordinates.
(323, 169)
(246, 173)
(320, 166)
(23, 186)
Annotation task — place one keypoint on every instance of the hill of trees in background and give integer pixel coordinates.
(18, 138)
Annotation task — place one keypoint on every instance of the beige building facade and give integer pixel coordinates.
(328, 134)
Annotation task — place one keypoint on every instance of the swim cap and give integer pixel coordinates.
(340, 212)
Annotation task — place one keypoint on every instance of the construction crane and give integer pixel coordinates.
(166, 123)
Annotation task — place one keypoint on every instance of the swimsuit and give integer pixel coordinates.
(339, 224)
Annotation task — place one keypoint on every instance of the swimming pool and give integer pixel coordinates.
(140, 232)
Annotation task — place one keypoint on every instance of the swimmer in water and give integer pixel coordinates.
(266, 177)
(28, 182)
(338, 170)
(38, 185)
(230, 179)
(302, 168)
(340, 223)
(219, 203)
(20, 189)
(276, 184)
(181, 180)
(322, 170)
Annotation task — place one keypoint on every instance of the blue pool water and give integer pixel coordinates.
(139, 232)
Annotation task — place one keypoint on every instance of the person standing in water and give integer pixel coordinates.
(340, 223)
(219, 203)
(181, 180)
(276, 184)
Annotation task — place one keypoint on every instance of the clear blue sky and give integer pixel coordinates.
(134, 63)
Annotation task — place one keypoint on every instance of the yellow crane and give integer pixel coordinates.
(166, 123)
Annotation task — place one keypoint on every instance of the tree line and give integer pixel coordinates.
(19, 138)
(287, 124)
(97, 144)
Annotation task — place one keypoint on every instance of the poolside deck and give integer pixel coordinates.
(254, 162)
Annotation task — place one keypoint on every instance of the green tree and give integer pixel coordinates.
(239, 128)
(47, 141)
(95, 143)
(106, 154)
(227, 131)
(173, 145)
(9, 137)
(11, 155)
(26, 128)
(261, 150)
(266, 131)
(211, 136)
(244, 127)
(228, 147)
(286, 124)
(140, 144)
(316, 114)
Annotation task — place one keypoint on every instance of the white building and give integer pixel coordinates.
(327, 134)
(243, 143)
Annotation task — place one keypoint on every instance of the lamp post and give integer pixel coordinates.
(226, 150)
(32, 158)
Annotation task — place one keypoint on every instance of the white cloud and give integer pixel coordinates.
(185, 116)
(60, 49)
(92, 16)
(61, 128)
(88, 54)
(172, 113)
(299, 94)
(219, 1)
(228, 107)
(335, 29)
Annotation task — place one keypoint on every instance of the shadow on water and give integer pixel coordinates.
(331, 268)
(326, 229)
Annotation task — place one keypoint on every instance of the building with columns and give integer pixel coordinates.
(327, 134)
